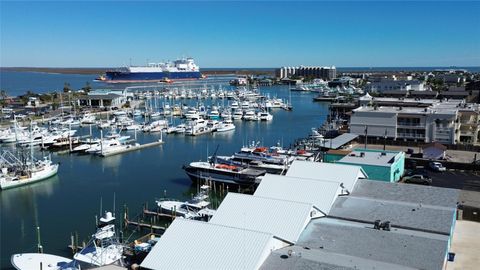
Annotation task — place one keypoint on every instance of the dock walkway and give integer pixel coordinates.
(130, 148)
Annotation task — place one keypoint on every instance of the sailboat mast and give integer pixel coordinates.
(31, 144)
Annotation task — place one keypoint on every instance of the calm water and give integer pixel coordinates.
(70, 201)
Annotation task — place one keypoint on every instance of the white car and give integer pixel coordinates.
(437, 166)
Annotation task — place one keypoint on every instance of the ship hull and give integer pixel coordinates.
(217, 176)
(122, 76)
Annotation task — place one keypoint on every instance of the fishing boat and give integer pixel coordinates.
(195, 208)
(256, 153)
(222, 173)
(42, 261)
(15, 172)
(104, 248)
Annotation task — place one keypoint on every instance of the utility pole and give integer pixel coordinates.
(385, 140)
(366, 135)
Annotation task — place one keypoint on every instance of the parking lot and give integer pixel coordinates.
(456, 179)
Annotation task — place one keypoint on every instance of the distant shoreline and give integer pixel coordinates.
(100, 71)
(237, 71)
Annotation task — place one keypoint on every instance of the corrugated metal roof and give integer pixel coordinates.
(188, 244)
(321, 194)
(340, 173)
(284, 219)
(339, 141)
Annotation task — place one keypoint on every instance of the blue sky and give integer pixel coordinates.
(240, 34)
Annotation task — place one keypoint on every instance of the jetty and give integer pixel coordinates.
(129, 148)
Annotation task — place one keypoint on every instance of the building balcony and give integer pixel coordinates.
(411, 135)
(467, 133)
(414, 125)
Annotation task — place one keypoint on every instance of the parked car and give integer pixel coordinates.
(436, 166)
(418, 179)
(419, 171)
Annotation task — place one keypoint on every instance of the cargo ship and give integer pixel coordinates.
(182, 69)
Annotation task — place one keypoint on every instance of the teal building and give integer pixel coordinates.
(388, 166)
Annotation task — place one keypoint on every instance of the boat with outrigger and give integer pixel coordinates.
(216, 171)
(104, 248)
(21, 171)
(195, 208)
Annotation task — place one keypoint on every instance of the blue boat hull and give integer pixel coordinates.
(150, 76)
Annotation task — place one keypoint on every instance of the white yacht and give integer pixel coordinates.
(192, 114)
(195, 208)
(104, 145)
(87, 119)
(237, 115)
(104, 247)
(250, 115)
(226, 125)
(265, 116)
(197, 127)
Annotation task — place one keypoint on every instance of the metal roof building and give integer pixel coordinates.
(346, 174)
(365, 247)
(421, 225)
(406, 215)
(321, 194)
(400, 192)
(283, 219)
(339, 141)
(379, 165)
(194, 245)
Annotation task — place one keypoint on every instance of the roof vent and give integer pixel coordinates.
(376, 224)
(383, 154)
(386, 226)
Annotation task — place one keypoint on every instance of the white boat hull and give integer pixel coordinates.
(32, 261)
(36, 177)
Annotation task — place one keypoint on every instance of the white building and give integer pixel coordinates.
(444, 122)
(390, 85)
(105, 98)
(189, 244)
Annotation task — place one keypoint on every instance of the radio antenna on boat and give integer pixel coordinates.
(113, 204)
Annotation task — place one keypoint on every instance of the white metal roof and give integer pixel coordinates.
(346, 174)
(284, 219)
(188, 244)
(321, 194)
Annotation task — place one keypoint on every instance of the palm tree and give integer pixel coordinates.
(3, 96)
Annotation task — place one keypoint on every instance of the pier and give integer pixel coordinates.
(131, 148)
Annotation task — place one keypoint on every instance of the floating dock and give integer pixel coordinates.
(130, 148)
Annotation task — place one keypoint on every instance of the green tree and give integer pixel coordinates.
(3, 97)
(66, 87)
(87, 88)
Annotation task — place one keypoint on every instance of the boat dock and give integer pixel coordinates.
(129, 148)
(139, 224)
